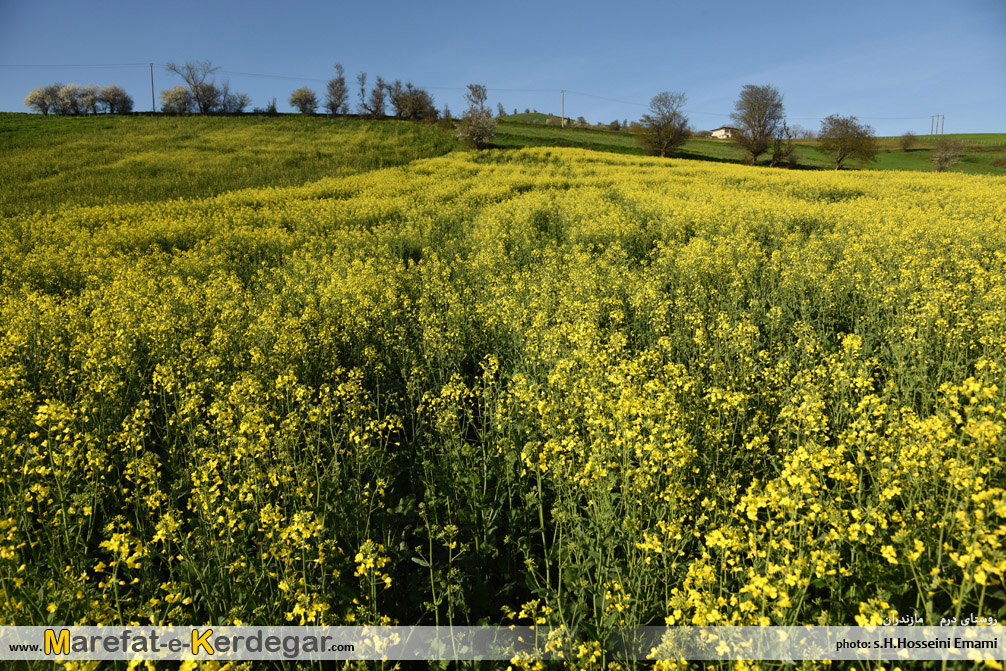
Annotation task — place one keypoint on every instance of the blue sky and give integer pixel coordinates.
(891, 63)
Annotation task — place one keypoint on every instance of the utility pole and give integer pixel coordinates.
(563, 124)
(932, 121)
(943, 119)
(153, 105)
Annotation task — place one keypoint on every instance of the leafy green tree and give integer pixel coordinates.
(843, 137)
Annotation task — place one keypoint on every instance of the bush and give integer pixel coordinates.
(477, 129)
(947, 153)
(305, 100)
(906, 141)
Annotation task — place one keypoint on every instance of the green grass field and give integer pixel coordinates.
(981, 148)
(56, 161)
(52, 162)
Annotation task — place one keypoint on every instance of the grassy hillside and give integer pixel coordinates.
(52, 162)
(985, 153)
(55, 161)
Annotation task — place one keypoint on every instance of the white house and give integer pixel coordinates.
(725, 132)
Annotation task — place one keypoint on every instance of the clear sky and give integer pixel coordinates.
(893, 64)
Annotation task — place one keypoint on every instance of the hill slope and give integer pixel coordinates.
(984, 154)
(54, 161)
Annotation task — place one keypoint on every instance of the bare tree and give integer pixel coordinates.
(843, 137)
(378, 98)
(758, 114)
(802, 133)
(476, 97)
(204, 94)
(783, 146)
(207, 97)
(666, 126)
(116, 100)
(478, 127)
(304, 100)
(361, 79)
(396, 98)
(947, 153)
(176, 100)
(337, 93)
(232, 102)
(500, 111)
(906, 141)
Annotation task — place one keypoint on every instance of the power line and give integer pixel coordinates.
(76, 65)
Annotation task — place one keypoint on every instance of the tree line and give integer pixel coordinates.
(407, 101)
(759, 115)
(761, 128)
(70, 99)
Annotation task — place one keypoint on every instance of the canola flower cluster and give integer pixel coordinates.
(542, 386)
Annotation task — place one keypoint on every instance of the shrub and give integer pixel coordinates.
(305, 100)
(478, 127)
(947, 153)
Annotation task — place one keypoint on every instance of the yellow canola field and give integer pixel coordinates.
(545, 386)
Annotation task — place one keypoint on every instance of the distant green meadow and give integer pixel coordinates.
(982, 149)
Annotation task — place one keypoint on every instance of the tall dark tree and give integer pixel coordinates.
(758, 114)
